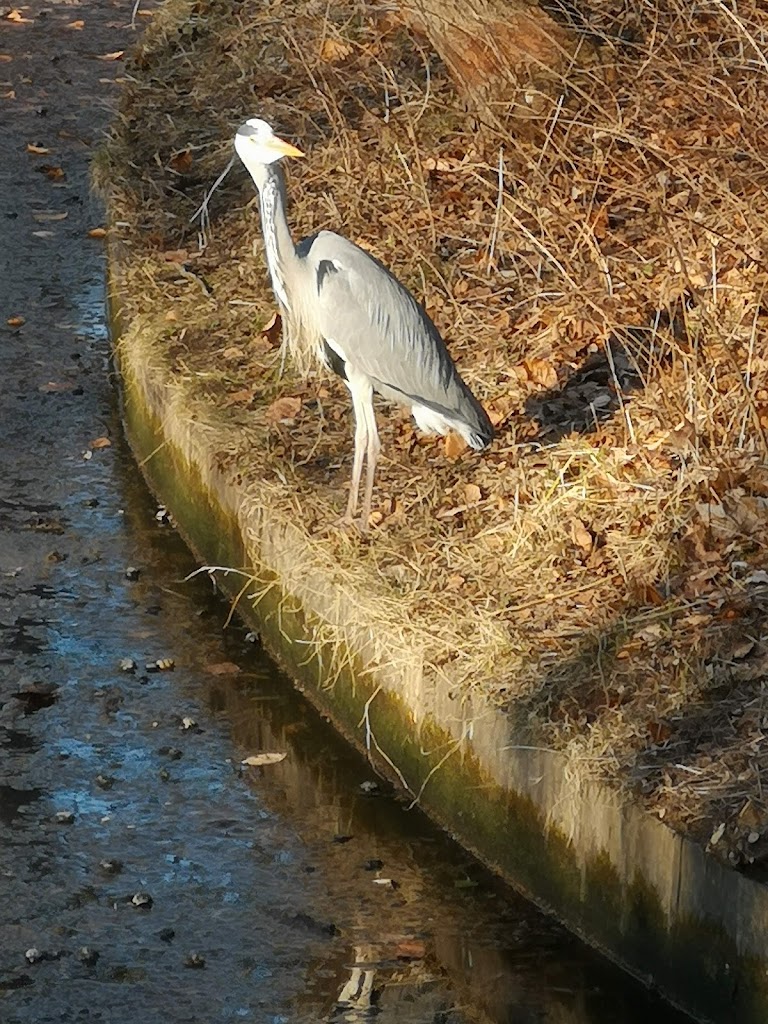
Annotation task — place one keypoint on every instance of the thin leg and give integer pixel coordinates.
(372, 457)
(361, 390)
(361, 441)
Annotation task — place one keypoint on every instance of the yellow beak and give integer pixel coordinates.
(286, 148)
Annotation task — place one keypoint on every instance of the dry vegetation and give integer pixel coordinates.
(599, 276)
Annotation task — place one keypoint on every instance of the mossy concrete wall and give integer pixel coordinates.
(654, 902)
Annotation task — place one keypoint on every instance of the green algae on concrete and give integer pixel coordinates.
(653, 901)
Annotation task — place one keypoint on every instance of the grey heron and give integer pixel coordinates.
(340, 305)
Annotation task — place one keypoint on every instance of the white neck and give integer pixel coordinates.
(278, 244)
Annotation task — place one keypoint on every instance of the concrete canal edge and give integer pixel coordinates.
(652, 901)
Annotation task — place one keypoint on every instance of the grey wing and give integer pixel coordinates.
(377, 327)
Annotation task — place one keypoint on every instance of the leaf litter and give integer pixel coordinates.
(600, 277)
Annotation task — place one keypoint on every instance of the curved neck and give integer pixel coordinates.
(280, 250)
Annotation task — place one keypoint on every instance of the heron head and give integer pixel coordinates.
(256, 143)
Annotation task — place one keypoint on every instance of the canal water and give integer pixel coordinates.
(147, 873)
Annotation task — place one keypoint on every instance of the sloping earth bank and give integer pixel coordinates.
(603, 571)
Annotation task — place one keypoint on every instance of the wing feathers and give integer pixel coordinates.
(384, 333)
(324, 268)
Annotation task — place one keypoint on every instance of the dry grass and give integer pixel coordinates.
(601, 281)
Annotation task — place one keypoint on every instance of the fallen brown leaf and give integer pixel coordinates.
(15, 321)
(283, 410)
(51, 171)
(581, 536)
(440, 164)
(393, 19)
(78, 26)
(334, 50)
(181, 162)
(176, 255)
(742, 649)
(271, 330)
(245, 395)
(499, 409)
(453, 445)
(16, 16)
(5, 58)
(541, 372)
(32, 147)
(750, 815)
(115, 55)
(600, 224)
(100, 442)
(223, 668)
(472, 494)
(97, 233)
(647, 593)
(410, 949)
